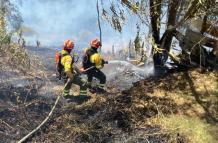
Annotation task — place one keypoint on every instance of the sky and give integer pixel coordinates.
(53, 21)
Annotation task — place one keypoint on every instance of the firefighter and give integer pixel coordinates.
(92, 62)
(71, 71)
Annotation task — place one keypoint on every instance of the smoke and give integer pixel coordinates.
(56, 20)
(124, 66)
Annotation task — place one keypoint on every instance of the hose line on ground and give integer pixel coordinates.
(44, 121)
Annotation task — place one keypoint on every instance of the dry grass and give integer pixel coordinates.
(154, 110)
(16, 58)
(196, 97)
(193, 129)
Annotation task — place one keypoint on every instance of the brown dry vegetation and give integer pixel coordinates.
(179, 107)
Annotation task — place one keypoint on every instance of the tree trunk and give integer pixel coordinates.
(155, 12)
(166, 39)
(203, 27)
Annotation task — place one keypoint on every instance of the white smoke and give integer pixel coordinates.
(56, 20)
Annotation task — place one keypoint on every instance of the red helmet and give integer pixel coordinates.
(95, 43)
(68, 44)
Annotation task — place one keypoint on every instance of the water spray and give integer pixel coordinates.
(124, 66)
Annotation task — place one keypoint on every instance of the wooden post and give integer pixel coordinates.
(113, 53)
(99, 24)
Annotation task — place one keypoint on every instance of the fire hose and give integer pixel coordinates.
(43, 122)
(50, 113)
(104, 62)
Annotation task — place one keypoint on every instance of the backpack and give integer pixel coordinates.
(86, 58)
(59, 67)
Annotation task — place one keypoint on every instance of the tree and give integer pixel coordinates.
(137, 43)
(9, 16)
(113, 52)
(167, 15)
(2, 21)
(38, 43)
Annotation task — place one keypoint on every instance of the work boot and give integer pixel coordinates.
(89, 85)
(100, 90)
(66, 94)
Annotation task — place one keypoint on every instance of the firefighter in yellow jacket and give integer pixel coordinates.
(71, 71)
(91, 59)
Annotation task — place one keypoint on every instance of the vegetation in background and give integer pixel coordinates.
(137, 42)
(166, 15)
(12, 54)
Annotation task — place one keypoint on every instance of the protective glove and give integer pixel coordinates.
(77, 70)
(104, 62)
(82, 70)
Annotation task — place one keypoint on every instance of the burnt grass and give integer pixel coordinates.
(21, 109)
(112, 117)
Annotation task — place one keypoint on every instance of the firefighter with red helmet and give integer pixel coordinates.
(92, 62)
(66, 64)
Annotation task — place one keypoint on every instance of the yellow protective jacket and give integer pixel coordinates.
(96, 59)
(67, 61)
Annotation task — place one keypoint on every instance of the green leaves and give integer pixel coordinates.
(132, 6)
(137, 42)
(115, 16)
